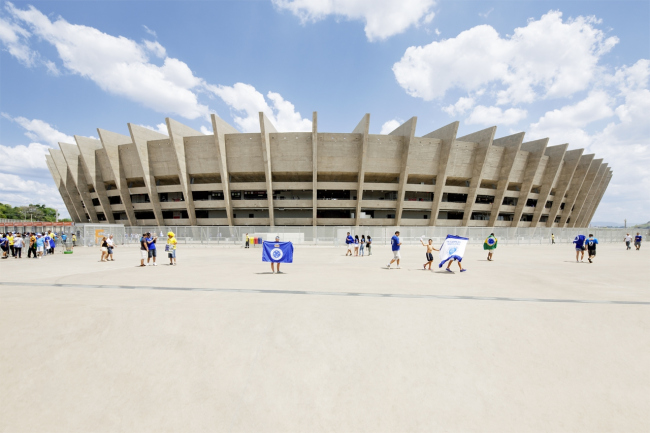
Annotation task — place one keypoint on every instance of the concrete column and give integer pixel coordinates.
(362, 128)
(535, 151)
(177, 133)
(512, 146)
(571, 160)
(111, 142)
(594, 193)
(68, 183)
(59, 184)
(555, 156)
(574, 188)
(87, 148)
(588, 183)
(140, 136)
(600, 197)
(407, 131)
(314, 157)
(483, 139)
(446, 135)
(221, 128)
(266, 128)
(72, 157)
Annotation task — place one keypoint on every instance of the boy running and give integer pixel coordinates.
(591, 247)
(429, 253)
(395, 244)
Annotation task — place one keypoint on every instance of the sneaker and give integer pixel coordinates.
(463, 270)
(398, 267)
(449, 270)
(155, 264)
(388, 266)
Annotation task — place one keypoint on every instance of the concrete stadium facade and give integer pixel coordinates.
(187, 178)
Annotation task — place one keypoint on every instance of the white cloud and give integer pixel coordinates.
(437, 32)
(155, 48)
(486, 14)
(246, 103)
(21, 158)
(483, 115)
(39, 130)
(151, 32)
(118, 65)
(390, 126)
(383, 18)
(547, 58)
(206, 131)
(624, 143)
(14, 38)
(460, 107)
(18, 191)
(161, 128)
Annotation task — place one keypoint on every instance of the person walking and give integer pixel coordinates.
(4, 245)
(429, 253)
(32, 246)
(395, 245)
(171, 248)
(490, 245)
(104, 250)
(369, 245)
(151, 248)
(40, 245)
(10, 241)
(110, 244)
(247, 241)
(552, 239)
(52, 243)
(628, 241)
(356, 245)
(349, 240)
(591, 247)
(18, 246)
(579, 242)
(362, 245)
(459, 266)
(143, 249)
(637, 241)
(74, 240)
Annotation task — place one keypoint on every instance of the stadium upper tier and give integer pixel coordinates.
(324, 178)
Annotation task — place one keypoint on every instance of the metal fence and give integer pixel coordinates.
(91, 234)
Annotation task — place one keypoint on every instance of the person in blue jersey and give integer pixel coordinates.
(349, 240)
(46, 244)
(151, 246)
(591, 243)
(637, 241)
(40, 245)
(579, 241)
(4, 245)
(395, 245)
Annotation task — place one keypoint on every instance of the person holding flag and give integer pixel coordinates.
(580, 247)
(277, 252)
(453, 249)
(490, 245)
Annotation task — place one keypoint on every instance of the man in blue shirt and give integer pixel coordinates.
(350, 241)
(580, 247)
(395, 244)
(40, 244)
(591, 247)
(151, 245)
(637, 241)
(46, 244)
(3, 245)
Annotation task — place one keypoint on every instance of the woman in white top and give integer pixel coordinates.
(18, 246)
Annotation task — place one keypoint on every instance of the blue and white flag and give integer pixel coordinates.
(277, 252)
(452, 248)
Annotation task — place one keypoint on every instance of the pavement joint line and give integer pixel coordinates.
(349, 294)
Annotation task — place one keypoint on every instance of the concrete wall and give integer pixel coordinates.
(272, 176)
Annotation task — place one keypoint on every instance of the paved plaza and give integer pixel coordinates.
(530, 342)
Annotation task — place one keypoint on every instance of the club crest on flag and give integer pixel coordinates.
(453, 248)
(277, 252)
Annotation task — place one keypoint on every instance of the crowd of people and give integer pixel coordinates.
(358, 245)
(38, 245)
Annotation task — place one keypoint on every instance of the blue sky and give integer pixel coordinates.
(576, 72)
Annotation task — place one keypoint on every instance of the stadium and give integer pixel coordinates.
(270, 178)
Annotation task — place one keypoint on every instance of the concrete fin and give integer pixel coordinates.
(221, 128)
(266, 128)
(72, 155)
(584, 190)
(362, 128)
(535, 149)
(314, 157)
(88, 148)
(512, 145)
(59, 184)
(571, 160)
(407, 131)
(447, 136)
(555, 156)
(575, 185)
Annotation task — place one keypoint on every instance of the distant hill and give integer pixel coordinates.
(605, 224)
(642, 226)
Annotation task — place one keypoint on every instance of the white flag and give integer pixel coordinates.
(452, 248)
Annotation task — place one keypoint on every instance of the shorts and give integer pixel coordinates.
(171, 254)
(429, 257)
(143, 254)
(637, 244)
(579, 249)
(396, 255)
(592, 252)
(152, 253)
(104, 249)
(4, 248)
(39, 249)
(110, 250)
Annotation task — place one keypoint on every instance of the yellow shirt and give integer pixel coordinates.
(173, 242)
(10, 239)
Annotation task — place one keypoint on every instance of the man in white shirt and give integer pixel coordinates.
(628, 241)
(110, 243)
